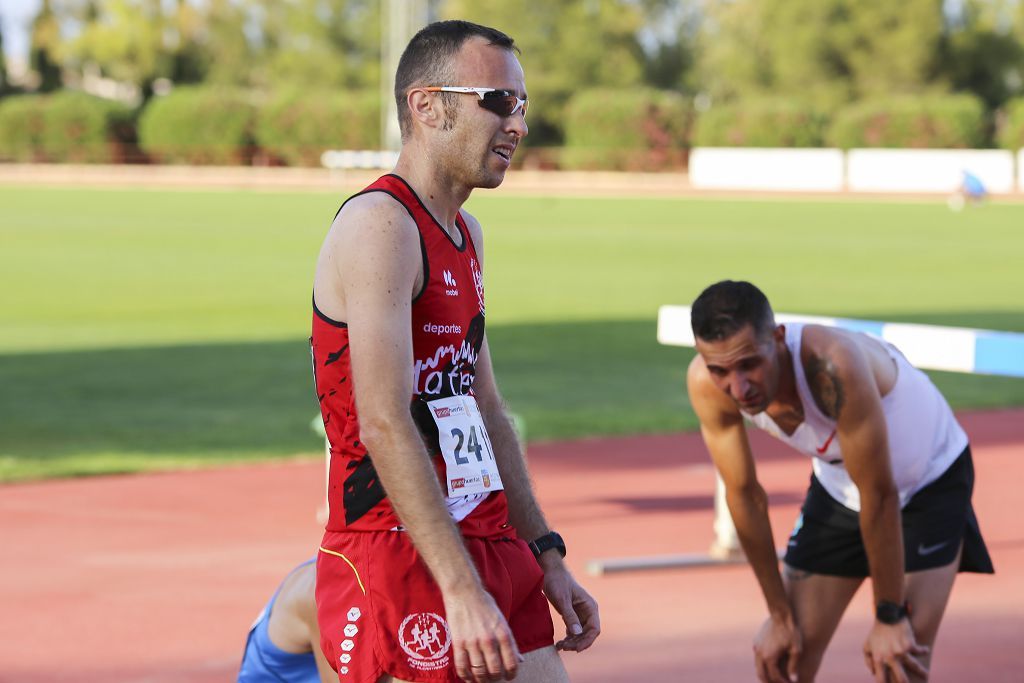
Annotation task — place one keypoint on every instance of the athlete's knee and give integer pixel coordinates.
(543, 665)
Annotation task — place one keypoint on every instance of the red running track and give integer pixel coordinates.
(156, 578)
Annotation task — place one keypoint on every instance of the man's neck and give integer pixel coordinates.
(438, 191)
(787, 401)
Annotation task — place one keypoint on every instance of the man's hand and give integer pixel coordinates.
(482, 642)
(891, 650)
(777, 649)
(578, 609)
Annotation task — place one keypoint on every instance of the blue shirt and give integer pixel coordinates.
(264, 662)
(973, 187)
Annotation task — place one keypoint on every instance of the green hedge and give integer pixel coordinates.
(1011, 129)
(66, 126)
(297, 127)
(82, 128)
(760, 122)
(21, 128)
(199, 125)
(911, 122)
(631, 130)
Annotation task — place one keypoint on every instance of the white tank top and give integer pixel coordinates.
(924, 436)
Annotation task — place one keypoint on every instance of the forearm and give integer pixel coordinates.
(409, 478)
(524, 511)
(749, 512)
(881, 529)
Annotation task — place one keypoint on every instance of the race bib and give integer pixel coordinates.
(468, 456)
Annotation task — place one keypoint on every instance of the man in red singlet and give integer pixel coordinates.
(436, 558)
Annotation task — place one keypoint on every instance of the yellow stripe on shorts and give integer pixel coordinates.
(349, 563)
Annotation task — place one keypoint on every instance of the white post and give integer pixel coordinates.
(400, 21)
(726, 545)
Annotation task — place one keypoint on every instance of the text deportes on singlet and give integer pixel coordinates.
(431, 328)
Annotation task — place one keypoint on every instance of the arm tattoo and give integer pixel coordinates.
(826, 386)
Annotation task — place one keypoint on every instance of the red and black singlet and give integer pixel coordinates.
(447, 334)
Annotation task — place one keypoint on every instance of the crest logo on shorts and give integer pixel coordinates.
(426, 639)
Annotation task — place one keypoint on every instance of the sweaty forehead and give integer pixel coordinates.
(728, 352)
(481, 64)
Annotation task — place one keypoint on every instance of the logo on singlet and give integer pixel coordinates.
(478, 284)
(449, 281)
(432, 328)
(828, 442)
(426, 639)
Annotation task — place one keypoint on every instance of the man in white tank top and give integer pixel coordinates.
(890, 493)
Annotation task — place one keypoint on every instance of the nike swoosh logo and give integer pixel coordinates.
(821, 451)
(923, 549)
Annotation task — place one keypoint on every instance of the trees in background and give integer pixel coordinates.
(826, 51)
(248, 43)
(755, 71)
(984, 54)
(44, 49)
(4, 83)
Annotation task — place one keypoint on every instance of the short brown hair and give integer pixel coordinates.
(726, 307)
(427, 60)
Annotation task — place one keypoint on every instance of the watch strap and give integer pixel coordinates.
(891, 613)
(546, 542)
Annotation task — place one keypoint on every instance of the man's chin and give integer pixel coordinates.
(752, 408)
(490, 180)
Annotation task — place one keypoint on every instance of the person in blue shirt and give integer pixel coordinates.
(284, 642)
(971, 190)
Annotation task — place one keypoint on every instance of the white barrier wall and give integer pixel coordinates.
(1020, 170)
(358, 158)
(927, 170)
(749, 168)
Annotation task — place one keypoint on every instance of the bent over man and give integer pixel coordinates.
(284, 642)
(890, 493)
(436, 559)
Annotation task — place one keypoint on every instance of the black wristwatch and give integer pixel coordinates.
(891, 613)
(547, 542)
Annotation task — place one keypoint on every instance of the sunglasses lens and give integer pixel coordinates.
(501, 104)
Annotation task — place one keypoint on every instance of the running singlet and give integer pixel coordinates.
(924, 436)
(264, 662)
(447, 333)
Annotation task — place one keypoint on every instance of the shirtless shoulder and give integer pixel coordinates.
(370, 227)
(835, 361)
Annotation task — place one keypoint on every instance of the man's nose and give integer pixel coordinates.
(517, 125)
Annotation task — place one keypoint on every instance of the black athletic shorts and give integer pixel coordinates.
(827, 540)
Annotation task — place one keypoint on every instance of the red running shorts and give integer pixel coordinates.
(381, 612)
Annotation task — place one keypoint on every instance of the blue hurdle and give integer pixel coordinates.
(929, 347)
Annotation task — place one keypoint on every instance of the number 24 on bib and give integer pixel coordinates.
(468, 456)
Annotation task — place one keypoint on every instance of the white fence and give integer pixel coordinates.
(344, 159)
(858, 170)
(745, 168)
(927, 170)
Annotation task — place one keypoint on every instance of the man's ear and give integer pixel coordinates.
(425, 108)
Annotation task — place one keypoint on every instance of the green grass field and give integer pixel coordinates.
(147, 329)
